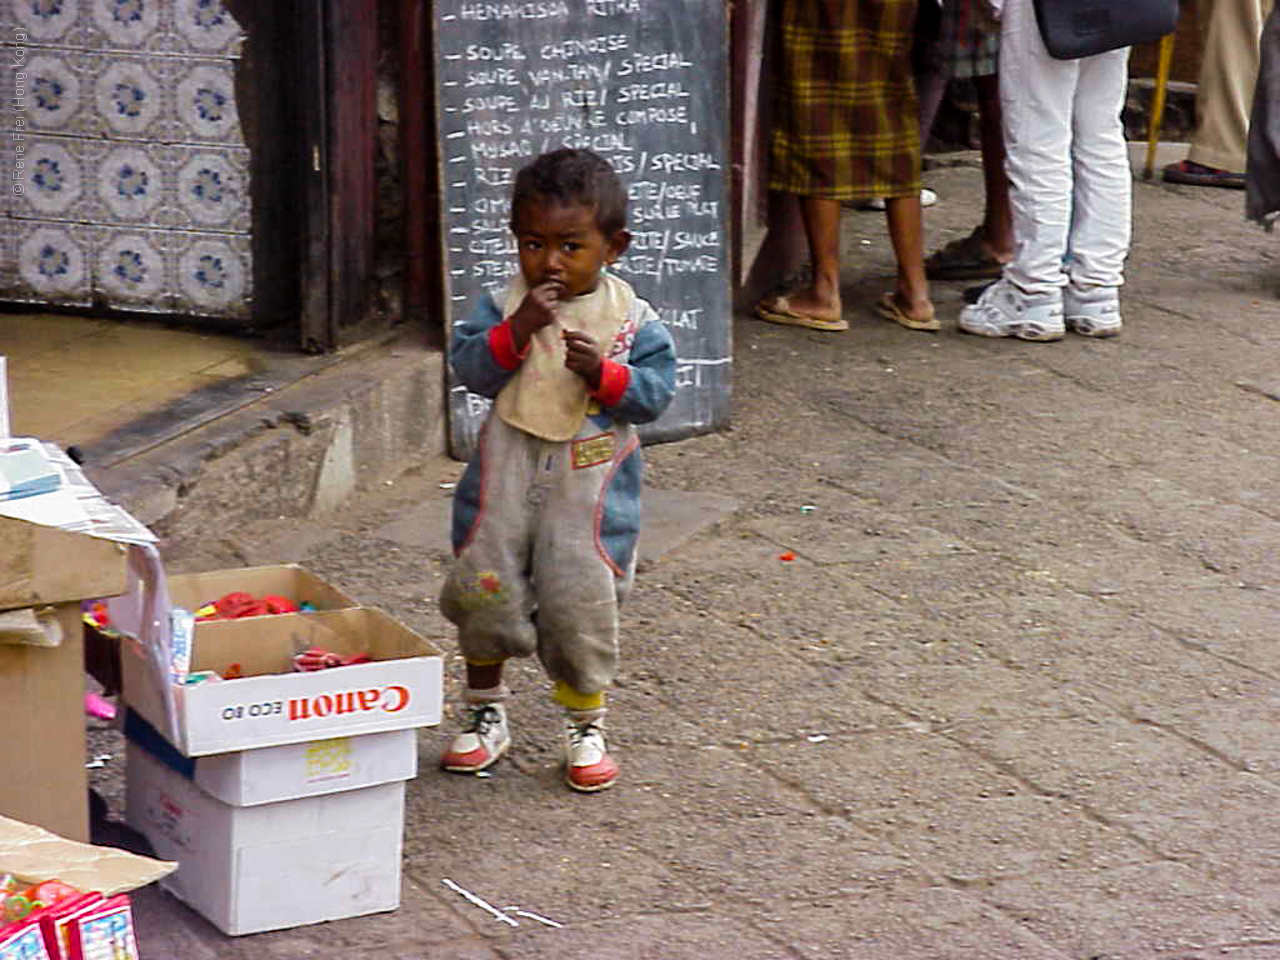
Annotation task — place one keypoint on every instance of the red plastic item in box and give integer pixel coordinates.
(317, 658)
(237, 604)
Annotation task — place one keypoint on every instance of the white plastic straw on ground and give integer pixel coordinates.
(533, 916)
(478, 902)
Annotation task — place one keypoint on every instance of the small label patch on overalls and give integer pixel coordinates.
(483, 589)
(592, 451)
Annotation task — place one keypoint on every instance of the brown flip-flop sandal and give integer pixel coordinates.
(781, 312)
(887, 307)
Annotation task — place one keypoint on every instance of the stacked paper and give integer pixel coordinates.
(25, 470)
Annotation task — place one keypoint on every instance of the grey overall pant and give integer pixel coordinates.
(533, 572)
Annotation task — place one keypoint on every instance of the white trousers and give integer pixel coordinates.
(1068, 164)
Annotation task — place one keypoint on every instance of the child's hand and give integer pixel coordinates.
(582, 355)
(536, 311)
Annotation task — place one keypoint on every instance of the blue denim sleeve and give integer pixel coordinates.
(653, 373)
(469, 352)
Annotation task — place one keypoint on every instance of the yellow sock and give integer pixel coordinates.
(571, 699)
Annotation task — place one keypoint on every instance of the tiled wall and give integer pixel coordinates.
(136, 186)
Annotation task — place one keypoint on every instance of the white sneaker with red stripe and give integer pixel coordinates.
(484, 738)
(587, 766)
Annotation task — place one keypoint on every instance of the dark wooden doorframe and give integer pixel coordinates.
(337, 77)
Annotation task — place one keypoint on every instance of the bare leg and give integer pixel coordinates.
(822, 227)
(821, 298)
(997, 223)
(906, 233)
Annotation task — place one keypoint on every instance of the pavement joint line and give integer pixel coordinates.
(1097, 816)
(1202, 320)
(1204, 648)
(1239, 766)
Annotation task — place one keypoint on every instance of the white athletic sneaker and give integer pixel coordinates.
(1092, 312)
(1004, 311)
(927, 199)
(484, 738)
(587, 765)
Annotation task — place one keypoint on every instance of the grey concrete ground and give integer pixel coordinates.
(1015, 696)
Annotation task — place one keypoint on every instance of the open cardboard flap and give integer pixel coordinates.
(33, 854)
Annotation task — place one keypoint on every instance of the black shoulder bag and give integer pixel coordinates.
(1082, 28)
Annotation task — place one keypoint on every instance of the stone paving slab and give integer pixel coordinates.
(949, 648)
(942, 925)
(1169, 912)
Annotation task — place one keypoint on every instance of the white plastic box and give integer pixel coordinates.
(274, 865)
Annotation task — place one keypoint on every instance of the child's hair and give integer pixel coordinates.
(573, 177)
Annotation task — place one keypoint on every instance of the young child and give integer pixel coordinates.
(1070, 189)
(546, 516)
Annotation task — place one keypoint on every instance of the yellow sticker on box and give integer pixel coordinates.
(328, 759)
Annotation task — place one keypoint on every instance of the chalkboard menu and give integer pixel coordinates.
(643, 83)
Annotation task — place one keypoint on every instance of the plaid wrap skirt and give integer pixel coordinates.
(845, 121)
(970, 40)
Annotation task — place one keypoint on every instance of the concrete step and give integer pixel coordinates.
(293, 442)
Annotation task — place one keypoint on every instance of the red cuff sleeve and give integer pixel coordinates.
(502, 344)
(614, 378)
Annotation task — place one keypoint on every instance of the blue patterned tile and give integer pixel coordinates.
(208, 27)
(136, 191)
(53, 92)
(11, 284)
(129, 98)
(130, 183)
(212, 188)
(131, 270)
(126, 24)
(46, 21)
(55, 179)
(214, 276)
(205, 103)
(53, 261)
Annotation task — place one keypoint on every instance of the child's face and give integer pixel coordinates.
(562, 245)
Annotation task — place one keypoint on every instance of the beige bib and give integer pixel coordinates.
(545, 398)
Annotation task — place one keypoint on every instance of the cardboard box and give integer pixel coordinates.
(42, 753)
(33, 855)
(275, 865)
(42, 565)
(247, 778)
(192, 590)
(402, 687)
